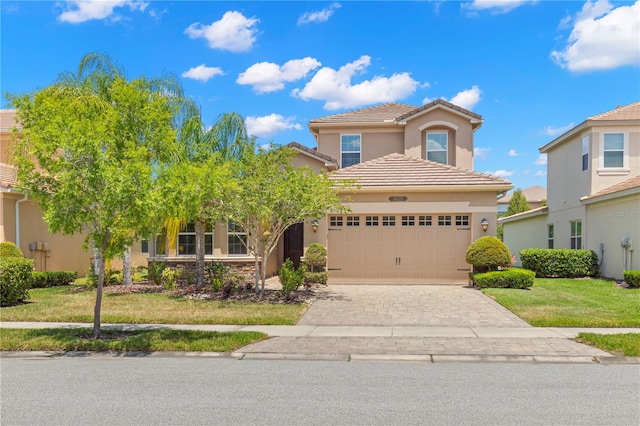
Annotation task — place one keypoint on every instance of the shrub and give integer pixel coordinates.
(487, 254)
(316, 277)
(560, 263)
(316, 257)
(170, 278)
(632, 277)
(290, 277)
(15, 279)
(8, 249)
(508, 278)
(141, 273)
(155, 271)
(52, 279)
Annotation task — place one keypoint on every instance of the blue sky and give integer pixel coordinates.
(532, 69)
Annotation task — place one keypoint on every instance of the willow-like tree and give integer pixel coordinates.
(90, 149)
(274, 194)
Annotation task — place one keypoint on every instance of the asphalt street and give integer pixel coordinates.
(112, 390)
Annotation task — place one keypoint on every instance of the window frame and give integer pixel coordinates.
(234, 233)
(575, 234)
(343, 151)
(550, 235)
(446, 150)
(184, 233)
(624, 150)
(585, 152)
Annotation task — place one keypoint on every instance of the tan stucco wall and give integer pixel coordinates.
(524, 234)
(602, 178)
(608, 222)
(375, 143)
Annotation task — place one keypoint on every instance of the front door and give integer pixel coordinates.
(294, 243)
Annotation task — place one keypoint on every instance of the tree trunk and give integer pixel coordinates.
(127, 278)
(96, 311)
(263, 269)
(200, 230)
(257, 272)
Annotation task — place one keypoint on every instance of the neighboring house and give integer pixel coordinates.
(593, 189)
(535, 196)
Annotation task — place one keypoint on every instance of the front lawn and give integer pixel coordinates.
(72, 304)
(572, 303)
(626, 344)
(12, 339)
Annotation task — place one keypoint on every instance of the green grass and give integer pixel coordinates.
(618, 344)
(67, 304)
(13, 339)
(572, 303)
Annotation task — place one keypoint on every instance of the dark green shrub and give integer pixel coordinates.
(8, 249)
(15, 279)
(52, 279)
(560, 263)
(632, 277)
(316, 257)
(316, 278)
(290, 277)
(487, 254)
(507, 278)
(155, 271)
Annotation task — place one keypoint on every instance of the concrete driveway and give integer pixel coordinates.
(407, 305)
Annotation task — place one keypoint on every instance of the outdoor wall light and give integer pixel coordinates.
(314, 225)
(485, 224)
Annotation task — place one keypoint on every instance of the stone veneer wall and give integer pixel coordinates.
(244, 267)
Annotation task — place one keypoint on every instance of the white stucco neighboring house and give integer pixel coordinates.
(593, 193)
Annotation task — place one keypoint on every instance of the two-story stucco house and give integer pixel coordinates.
(593, 189)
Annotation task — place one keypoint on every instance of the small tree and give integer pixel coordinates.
(517, 204)
(487, 254)
(316, 257)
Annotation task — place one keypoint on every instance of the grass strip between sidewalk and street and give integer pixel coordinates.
(627, 344)
(559, 302)
(74, 304)
(79, 339)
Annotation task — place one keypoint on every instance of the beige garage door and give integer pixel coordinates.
(401, 248)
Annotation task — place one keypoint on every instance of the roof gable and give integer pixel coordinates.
(398, 170)
(627, 112)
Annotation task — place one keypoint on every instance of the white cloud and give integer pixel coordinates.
(78, 11)
(602, 38)
(495, 6)
(335, 88)
(319, 16)
(553, 131)
(234, 32)
(513, 153)
(542, 160)
(269, 125)
(502, 173)
(202, 72)
(268, 77)
(481, 153)
(467, 98)
(541, 173)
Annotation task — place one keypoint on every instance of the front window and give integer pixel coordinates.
(585, 153)
(236, 239)
(576, 234)
(160, 244)
(144, 246)
(187, 240)
(613, 152)
(350, 150)
(550, 236)
(437, 143)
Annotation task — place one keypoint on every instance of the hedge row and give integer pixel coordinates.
(52, 279)
(506, 278)
(15, 279)
(632, 277)
(560, 263)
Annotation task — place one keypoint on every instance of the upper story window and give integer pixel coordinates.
(585, 153)
(187, 240)
(350, 150)
(437, 143)
(613, 150)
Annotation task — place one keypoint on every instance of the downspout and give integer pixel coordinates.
(26, 196)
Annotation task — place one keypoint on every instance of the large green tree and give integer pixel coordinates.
(274, 195)
(91, 147)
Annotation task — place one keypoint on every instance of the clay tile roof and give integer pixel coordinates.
(440, 102)
(627, 112)
(533, 194)
(631, 183)
(395, 170)
(313, 152)
(376, 114)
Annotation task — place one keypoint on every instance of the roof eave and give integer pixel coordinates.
(540, 211)
(589, 123)
(497, 188)
(611, 196)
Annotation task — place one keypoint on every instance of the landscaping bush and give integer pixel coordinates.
(508, 278)
(8, 249)
(632, 277)
(316, 257)
(52, 279)
(155, 271)
(15, 279)
(487, 254)
(170, 278)
(560, 263)
(316, 278)
(290, 277)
